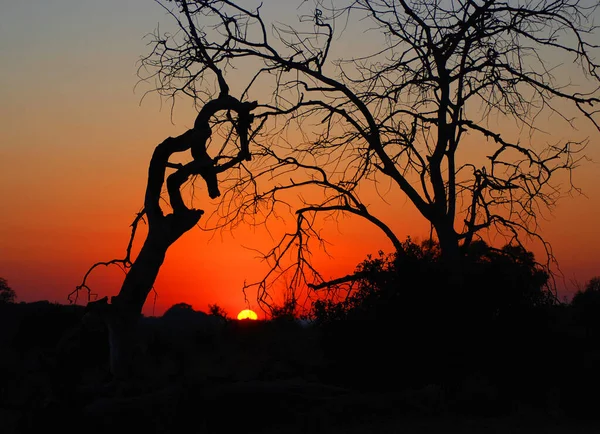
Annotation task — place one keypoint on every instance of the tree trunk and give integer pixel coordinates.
(450, 253)
(122, 315)
(126, 308)
(448, 239)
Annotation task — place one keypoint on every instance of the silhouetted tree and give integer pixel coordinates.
(288, 311)
(586, 305)
(121, 315)
(591, 289)
(7, 294)
(394, 111)
(218, 311)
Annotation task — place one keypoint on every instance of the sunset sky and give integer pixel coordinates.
(75, 142)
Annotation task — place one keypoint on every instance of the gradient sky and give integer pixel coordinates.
(75, 143)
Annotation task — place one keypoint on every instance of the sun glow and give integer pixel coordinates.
(247, 314)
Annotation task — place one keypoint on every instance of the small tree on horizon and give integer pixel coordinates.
(586, 307)
(218, 311)
(7, 294)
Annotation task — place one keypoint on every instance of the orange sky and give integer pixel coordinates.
(74, 147)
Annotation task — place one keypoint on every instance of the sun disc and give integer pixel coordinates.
(247, 314)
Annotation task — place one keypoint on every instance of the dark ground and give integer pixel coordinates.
(202, 374)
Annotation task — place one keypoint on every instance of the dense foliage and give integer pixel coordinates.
(490, 284)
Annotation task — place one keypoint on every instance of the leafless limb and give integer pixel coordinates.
(123, 264)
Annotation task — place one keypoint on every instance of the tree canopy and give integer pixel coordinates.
(7, 294)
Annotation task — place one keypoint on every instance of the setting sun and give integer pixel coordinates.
(247, 314)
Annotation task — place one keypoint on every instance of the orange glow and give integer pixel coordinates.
(247, 314)
(74, 154)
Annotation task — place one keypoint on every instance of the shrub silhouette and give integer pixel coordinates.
(494, 282)
(217, 311)
(7, 294)
(406, 326)
(586, 307)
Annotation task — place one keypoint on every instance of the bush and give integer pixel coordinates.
(412, 321)
(7, 295)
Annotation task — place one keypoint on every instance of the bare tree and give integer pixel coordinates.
(121, 315)
(408, 110)
(437, 72)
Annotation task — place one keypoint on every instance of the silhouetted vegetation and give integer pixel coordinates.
(409, 345)
(7, 294)
(412, 322)
(492, 284)
(586, 304)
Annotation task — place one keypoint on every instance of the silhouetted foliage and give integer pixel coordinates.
(493, 282)
(285, 312)
(586, 304)
(7, 294)
(590, 292)
(218, 311)
(411, 322)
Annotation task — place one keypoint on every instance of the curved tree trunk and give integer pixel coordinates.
(126, 308)
(121, 316)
